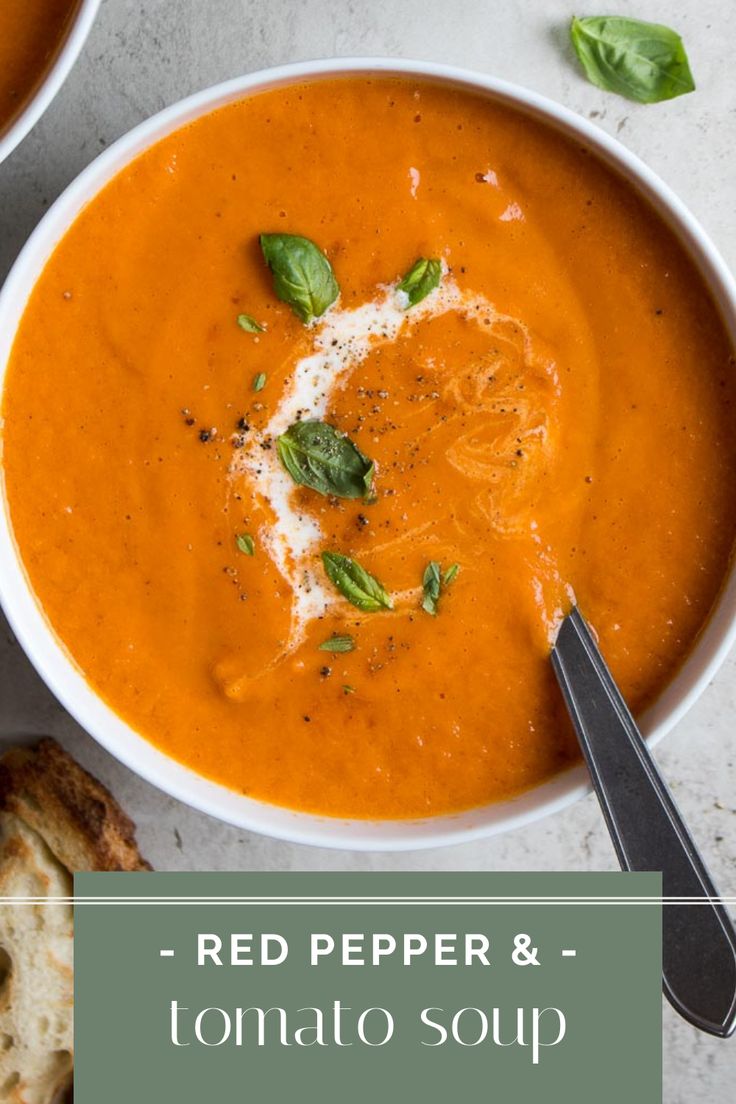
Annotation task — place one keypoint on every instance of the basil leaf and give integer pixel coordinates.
(423, 276)
(355, 583)
(431, 583)
(338, 643)
(259, 381)
(317, 455)
(645, 62)
(347, 689)
(249, 324)
(450, 573)
(245, 543)
(302, 275)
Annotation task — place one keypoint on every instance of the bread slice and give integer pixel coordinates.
(55, 818)
(78, 818)
(36, 960)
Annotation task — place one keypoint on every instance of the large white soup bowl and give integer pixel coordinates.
(68, 683)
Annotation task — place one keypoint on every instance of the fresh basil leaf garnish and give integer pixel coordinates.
(302, 275)
(433, 581)
(259, 381)
(317, 455)
(423, 276)
(338, 643)
(645, 62)
(347, 689)
(450, 573)
(355, 583)
(248, 323)
(245, 543)
(431, 584)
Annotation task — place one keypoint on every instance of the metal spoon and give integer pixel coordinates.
(698, 939)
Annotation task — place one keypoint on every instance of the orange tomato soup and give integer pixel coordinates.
(555, 418)
(31, 32)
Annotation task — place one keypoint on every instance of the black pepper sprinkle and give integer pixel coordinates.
(306, 718)
(205, 434)
(242, 425)
(325, 672)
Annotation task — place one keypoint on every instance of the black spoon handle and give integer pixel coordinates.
(699, 940)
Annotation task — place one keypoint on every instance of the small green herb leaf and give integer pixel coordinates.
(355, 583)
(259, 381)
(317, 455)
(245, 543)
(338, 643)
(431, 584)
(450, 573)
(249, 324)
(423, 276)
(302, 275)
(347, 689)
(645, 62)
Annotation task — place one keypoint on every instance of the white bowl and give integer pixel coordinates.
(52, 80)
(67, 682)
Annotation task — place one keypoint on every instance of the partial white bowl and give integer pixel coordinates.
(52, 80)
(68, 683)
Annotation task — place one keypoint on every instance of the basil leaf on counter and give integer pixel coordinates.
(317, 455)
(249, 324)
(645, 62)
(338, 643)
(259, 381)
(423, 276)
(431, 584)
(246, 544)
(302, 275)
(355, 583)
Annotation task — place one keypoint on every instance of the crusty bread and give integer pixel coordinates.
(55, 818)
(36, 954)
(78, 818)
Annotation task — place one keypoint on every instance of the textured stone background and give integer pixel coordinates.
(142, 57)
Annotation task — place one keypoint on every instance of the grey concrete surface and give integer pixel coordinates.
(142, 56)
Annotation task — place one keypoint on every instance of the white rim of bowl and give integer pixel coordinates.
(58, 71)
(66, 681)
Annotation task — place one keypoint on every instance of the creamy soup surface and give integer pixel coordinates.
(31, 32)
(555, 418)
